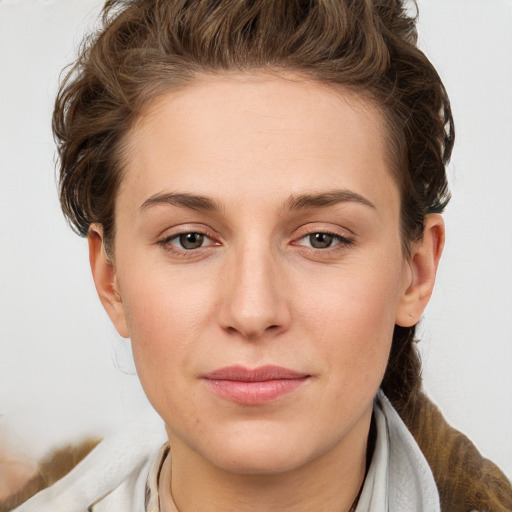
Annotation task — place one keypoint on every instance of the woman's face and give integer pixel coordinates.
(259, 269)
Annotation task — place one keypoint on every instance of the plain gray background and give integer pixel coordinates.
(58, 377)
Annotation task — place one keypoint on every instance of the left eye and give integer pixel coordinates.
(321, 240)
(189, 241)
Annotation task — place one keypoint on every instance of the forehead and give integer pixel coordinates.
(239, 135)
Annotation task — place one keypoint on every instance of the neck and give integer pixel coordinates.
(330, 482)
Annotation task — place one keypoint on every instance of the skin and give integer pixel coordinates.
(260, 290)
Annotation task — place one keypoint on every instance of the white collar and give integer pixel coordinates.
(399, 478)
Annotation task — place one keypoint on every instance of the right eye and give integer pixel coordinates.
(187, 241)
(321, 240)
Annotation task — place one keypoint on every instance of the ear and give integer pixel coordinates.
(105, 279)
(421, 272)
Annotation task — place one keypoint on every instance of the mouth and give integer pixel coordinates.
(253, 386)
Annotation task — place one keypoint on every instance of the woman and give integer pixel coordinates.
(260, 185)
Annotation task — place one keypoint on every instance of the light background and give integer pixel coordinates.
(58, 377)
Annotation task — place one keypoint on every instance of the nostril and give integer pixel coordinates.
(253, 334)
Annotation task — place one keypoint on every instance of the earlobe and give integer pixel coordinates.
(105, 280)
(422, 269)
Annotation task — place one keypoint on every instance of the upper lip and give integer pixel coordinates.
(260, 374)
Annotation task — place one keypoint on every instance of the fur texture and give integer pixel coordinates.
(50, 469)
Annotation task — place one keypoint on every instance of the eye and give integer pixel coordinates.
(322, 240)
(187, 242)
(190, 240)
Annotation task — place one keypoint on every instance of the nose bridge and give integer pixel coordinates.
(254, 301)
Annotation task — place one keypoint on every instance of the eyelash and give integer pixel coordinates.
(342, 242)
(168, 246)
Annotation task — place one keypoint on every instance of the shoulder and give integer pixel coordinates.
(112, 475)
(465, 479)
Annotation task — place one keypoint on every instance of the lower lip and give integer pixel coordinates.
(254, 393)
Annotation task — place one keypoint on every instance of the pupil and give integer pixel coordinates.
(320, 240)
(191, 240)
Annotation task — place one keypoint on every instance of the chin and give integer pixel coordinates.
(268, 461)
(267, 452)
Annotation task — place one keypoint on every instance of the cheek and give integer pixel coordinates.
(352, 321)
(166, 316)
(161, 299)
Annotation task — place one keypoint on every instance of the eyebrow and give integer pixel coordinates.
(298, 202)
(307, 201)
(191, 201)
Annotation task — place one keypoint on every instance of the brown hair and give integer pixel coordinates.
(147, 47)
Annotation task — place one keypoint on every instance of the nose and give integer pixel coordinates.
(254, 303)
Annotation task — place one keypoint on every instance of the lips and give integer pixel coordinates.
(253, 386)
